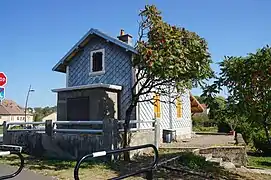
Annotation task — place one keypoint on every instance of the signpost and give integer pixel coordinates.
(2, 93)
(3, 79)
(3, 82)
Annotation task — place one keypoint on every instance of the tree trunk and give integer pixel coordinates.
(265, 125)
(126, 128)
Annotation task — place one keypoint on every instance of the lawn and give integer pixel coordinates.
(205, 129)
(194, 167)
(259, 160)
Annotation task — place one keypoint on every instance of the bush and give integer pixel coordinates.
(202, 120)
(247, 132)
(260, 142)
(223, 127)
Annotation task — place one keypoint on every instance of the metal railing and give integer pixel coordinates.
(148, 170)
(70, 130)
(32, 126)
(6, 150)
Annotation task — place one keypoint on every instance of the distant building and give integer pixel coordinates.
(52, 116)
(11, 111)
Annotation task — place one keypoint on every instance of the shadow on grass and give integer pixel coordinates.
(190, 165)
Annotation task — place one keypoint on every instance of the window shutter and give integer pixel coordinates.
(157, 106)
(179, 107)
(97, 61)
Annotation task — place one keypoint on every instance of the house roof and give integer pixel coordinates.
(9, 107)
(195, 105)
(61, 65)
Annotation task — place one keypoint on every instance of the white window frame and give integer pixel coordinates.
(91, 62)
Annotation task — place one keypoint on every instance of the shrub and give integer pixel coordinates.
(260, 142)
(223, 127)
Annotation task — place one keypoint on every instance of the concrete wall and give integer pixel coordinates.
(102, 103)
(72, 146)
(234, 154)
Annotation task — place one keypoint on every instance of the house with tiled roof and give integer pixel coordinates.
(11, 111)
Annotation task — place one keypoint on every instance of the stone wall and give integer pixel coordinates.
(235, 154)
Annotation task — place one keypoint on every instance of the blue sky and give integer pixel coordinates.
(34, 35)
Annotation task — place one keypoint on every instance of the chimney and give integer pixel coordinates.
(127, 38)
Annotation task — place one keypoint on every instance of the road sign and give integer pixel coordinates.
(2, 93)
(3, 79)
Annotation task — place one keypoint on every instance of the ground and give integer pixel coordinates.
(201, 141)
(188, 162)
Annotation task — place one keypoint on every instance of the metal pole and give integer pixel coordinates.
(26, 102)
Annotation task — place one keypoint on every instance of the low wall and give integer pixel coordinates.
(140, 138)
(73, 146)
(235, 154)
(59, 146)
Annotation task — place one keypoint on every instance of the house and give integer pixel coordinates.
(11, 111)
(99, 78)
(52, 116)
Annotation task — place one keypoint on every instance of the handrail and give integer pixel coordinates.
(147, 170)
(8, 150)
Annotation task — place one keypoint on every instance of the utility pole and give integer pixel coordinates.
(26, 101)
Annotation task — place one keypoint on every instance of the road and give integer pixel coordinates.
(24, 175)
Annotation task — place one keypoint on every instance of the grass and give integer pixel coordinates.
(204, 129)
(194, 167)
(259, 160)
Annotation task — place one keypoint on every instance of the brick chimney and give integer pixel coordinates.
(127, 38)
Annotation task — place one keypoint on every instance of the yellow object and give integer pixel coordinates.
(157, 106)
(179, 108)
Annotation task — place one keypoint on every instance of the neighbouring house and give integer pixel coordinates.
(11, 111)
(99, 77)
(52, 116)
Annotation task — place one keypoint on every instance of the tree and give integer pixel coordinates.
(168, 56)
(248, 80)
(200, 99)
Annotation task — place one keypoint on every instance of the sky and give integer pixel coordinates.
(35, 35)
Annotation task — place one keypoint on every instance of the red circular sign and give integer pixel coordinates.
(3, 79)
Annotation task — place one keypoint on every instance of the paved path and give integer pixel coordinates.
(24, 175)
(202, 141)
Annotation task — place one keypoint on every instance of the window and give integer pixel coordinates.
(179, 107)
(97, 62)
(157, 106)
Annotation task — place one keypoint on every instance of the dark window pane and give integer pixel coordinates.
(97, 61)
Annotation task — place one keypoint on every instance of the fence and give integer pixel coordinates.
(72, 139)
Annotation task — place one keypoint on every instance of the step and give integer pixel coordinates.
(217, 161)
(207, 156)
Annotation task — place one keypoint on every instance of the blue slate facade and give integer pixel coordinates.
(118, 69)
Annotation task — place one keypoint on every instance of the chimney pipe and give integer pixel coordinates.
(121, 32)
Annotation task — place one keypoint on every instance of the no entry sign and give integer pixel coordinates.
(3, 79)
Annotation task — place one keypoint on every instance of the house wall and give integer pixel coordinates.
(52, 117)
(118, 69)
(15, 118)
(183, 126)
